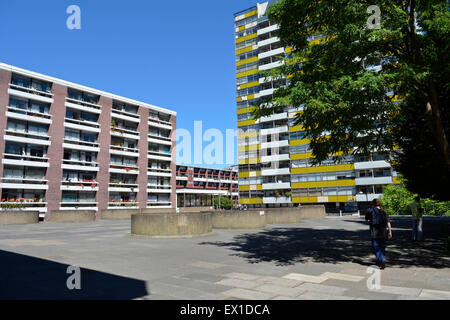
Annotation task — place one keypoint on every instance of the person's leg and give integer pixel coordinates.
(377, 250)
(414, 229)
(419, 229)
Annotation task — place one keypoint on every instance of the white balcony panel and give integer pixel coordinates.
(82, 108)
(31, 96)
(125, 135)
(159, 125)
(275, 144)
(182, 178)
(129, 190)
(371, 165)
(275, 158)
(373, 181)
(80, 147)
(79, 188)
(278, 130)
(268, 29)
(80, 168)
(367, 197)
(276, 186)
(27, 140)
(268, 41)
(205, 191)
(81, 127)
(159, 174)
(23, 186)
(275, 200)
(270, 53)
(24, 117)
(274, 117)
(159, 190)
(276, 172)
(155, 157)
(158, 141)
(26, 163)
(123, 171)
(124, 153)
(267, 92)
(124, 117)
(79, 208)
(271, 65)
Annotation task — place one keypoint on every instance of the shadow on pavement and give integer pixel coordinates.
(287, 246)
(27, 278)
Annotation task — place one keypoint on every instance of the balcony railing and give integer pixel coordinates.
(31, 90)
(28, 112)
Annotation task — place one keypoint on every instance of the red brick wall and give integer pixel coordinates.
(173, 179)
(142, 179)
(55, 150)
(103, 158)
(5, 79)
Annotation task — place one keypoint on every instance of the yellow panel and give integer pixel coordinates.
(249, 85)
(296, 128)
(339, 167)
(241, 28)
(252, 147)
(243, 174)
(299, 156)
(340, 198)
(249, 60)
(244, 188)
(251, 201)
(304, 199)
(246, 110)
(252, 134)
(251, 13)
(250, 161)
(288, 49)
(247, 73)
(251, 96)
(244, 50)
(299, 142)
(248, 37)
(396, 180)
(246, 123)
(323, 184)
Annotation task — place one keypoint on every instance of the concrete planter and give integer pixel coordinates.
(72, 216)
(238, 220)
(158, 211)
(19, 217)
(283, 216)
(313, 212)
(118, 214)
(171, 225)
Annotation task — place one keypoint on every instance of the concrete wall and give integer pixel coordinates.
(158, 211)
(238, 220)
(171, 225)
(313, 212)
(124, 214)
(19, 217)
(283, 216)
(72, 216)
(195, 209)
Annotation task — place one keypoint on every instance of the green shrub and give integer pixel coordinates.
(225, 203)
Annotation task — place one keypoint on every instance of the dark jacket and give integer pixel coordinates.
(378, 220)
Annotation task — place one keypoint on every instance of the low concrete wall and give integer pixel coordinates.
(124, 214)
(313, 212)
(238, 220)
(171, 225)
(72, 216)
(195, 209)
(19, 217)
(283, 215)
(158, 211)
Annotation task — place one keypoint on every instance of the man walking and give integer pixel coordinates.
(416, 212)
(380, 230)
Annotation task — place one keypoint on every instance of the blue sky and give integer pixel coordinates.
(173, 54)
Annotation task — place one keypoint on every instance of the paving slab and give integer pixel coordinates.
(404, 291)
(280, 290)
(342, 276)
(435, 294)
(246, 294)
(314, 287)
(280, 281)
(322, 296)
(238, 283)
(305, 278)
(242, 276)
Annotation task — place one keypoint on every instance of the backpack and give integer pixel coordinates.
(378, 223)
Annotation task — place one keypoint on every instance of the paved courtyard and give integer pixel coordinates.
(315, 259)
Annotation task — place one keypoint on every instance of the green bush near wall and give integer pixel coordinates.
(396, 199)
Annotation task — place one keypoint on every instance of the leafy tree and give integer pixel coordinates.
(396, 199)
(355, 105)
(225, 203)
